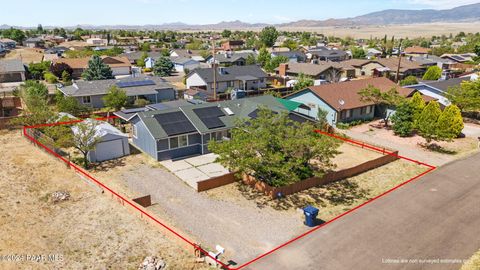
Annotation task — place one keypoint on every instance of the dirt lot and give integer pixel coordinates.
(351, 156)
(27, 55)
(89, 231)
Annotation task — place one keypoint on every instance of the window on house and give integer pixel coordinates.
(134, 131)
(345, 114)
(363, 110)
(173, 142)
(229, 84)
(86, 100)
(182, 141)
(369, 109)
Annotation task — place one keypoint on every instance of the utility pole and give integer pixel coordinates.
(399, 60)
(214, 63)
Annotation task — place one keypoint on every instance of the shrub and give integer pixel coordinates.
(50, 77)
(141, 102)
(409, 81)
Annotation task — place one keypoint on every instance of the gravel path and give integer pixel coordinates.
(245, 231)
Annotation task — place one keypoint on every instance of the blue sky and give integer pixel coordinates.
(139, 12)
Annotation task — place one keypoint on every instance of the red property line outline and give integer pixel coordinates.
(225, 266)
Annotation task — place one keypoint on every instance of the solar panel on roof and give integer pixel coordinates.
(174, 123)
(210, 116)
(135, 83)
(457, 57)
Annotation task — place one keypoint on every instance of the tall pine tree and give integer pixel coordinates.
(97, 70)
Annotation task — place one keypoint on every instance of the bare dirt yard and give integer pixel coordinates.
(27, 55)
(413, 147)
(88, 231)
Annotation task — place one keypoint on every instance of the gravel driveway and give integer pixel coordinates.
(243, 230)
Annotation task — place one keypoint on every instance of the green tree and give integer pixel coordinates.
(418, 104)
(466, 96)
(85, 138)
(275, 62)
(384, 99)
(163, 67)
(66, 78)
(69, 104)
(141, 61)
(402, 119)
(250, 60)
(303, 81)
(226, 33)
(291, 44)
(61, 134)
(50, 77)
(427, 122)
(433, 73)
(15, 34)
(358, 53)
(37, 70)
(450, 123)
(97, 70)
(263, 57)
(322, 119)
(283, 150)
(268, 36)
(145, 47)
(35, 97)
(409, 80)
(115, 98)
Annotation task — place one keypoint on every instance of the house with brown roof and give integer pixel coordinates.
(408, 67)
(342, 101)
(232, 45)
(119, 65)
(416, 51)
(328, 71)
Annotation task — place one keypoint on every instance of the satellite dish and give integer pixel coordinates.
(341, 102)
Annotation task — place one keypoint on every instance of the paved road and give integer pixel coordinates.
(436, 216)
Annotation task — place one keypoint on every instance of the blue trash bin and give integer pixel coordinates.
(310, 213)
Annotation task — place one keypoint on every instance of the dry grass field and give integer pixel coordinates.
(88, 231)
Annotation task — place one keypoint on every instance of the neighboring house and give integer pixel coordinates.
(12, 70)
(250, 77)
(327, 71)
(59, 51)
(119, 65)
(416, 51)
(407, 68)
(134, 56)
(97, 41)
(112, 143)
(438, 89)
(186, 130)
(181, 63)
(151, 88)
(34, 43)
(326, 54)
(459, 58)
(293, 56)
(342, 101)
(362, 67)
(8, 43)
(194, 54)
(3, 49)
(229, 59)
(232, 45)
(433, 60)
(373, 53)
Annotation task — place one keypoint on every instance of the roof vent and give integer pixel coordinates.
(229, 112)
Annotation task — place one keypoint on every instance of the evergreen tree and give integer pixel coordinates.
(66, 78)
(417, 103)
(450, 123)
(403, 119)
(427, 122)
(163, 67)
(97, 70)
(268, 36)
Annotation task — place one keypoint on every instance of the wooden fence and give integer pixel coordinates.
(318, 181)
(215, 182)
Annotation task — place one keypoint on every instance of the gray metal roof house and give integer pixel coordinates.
(151, 88)
(12, 70)
(186, 130)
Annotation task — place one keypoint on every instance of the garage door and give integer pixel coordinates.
(109, 150)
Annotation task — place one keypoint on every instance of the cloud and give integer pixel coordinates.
(443, 4)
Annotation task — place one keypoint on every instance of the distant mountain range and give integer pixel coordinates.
(466, 13)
